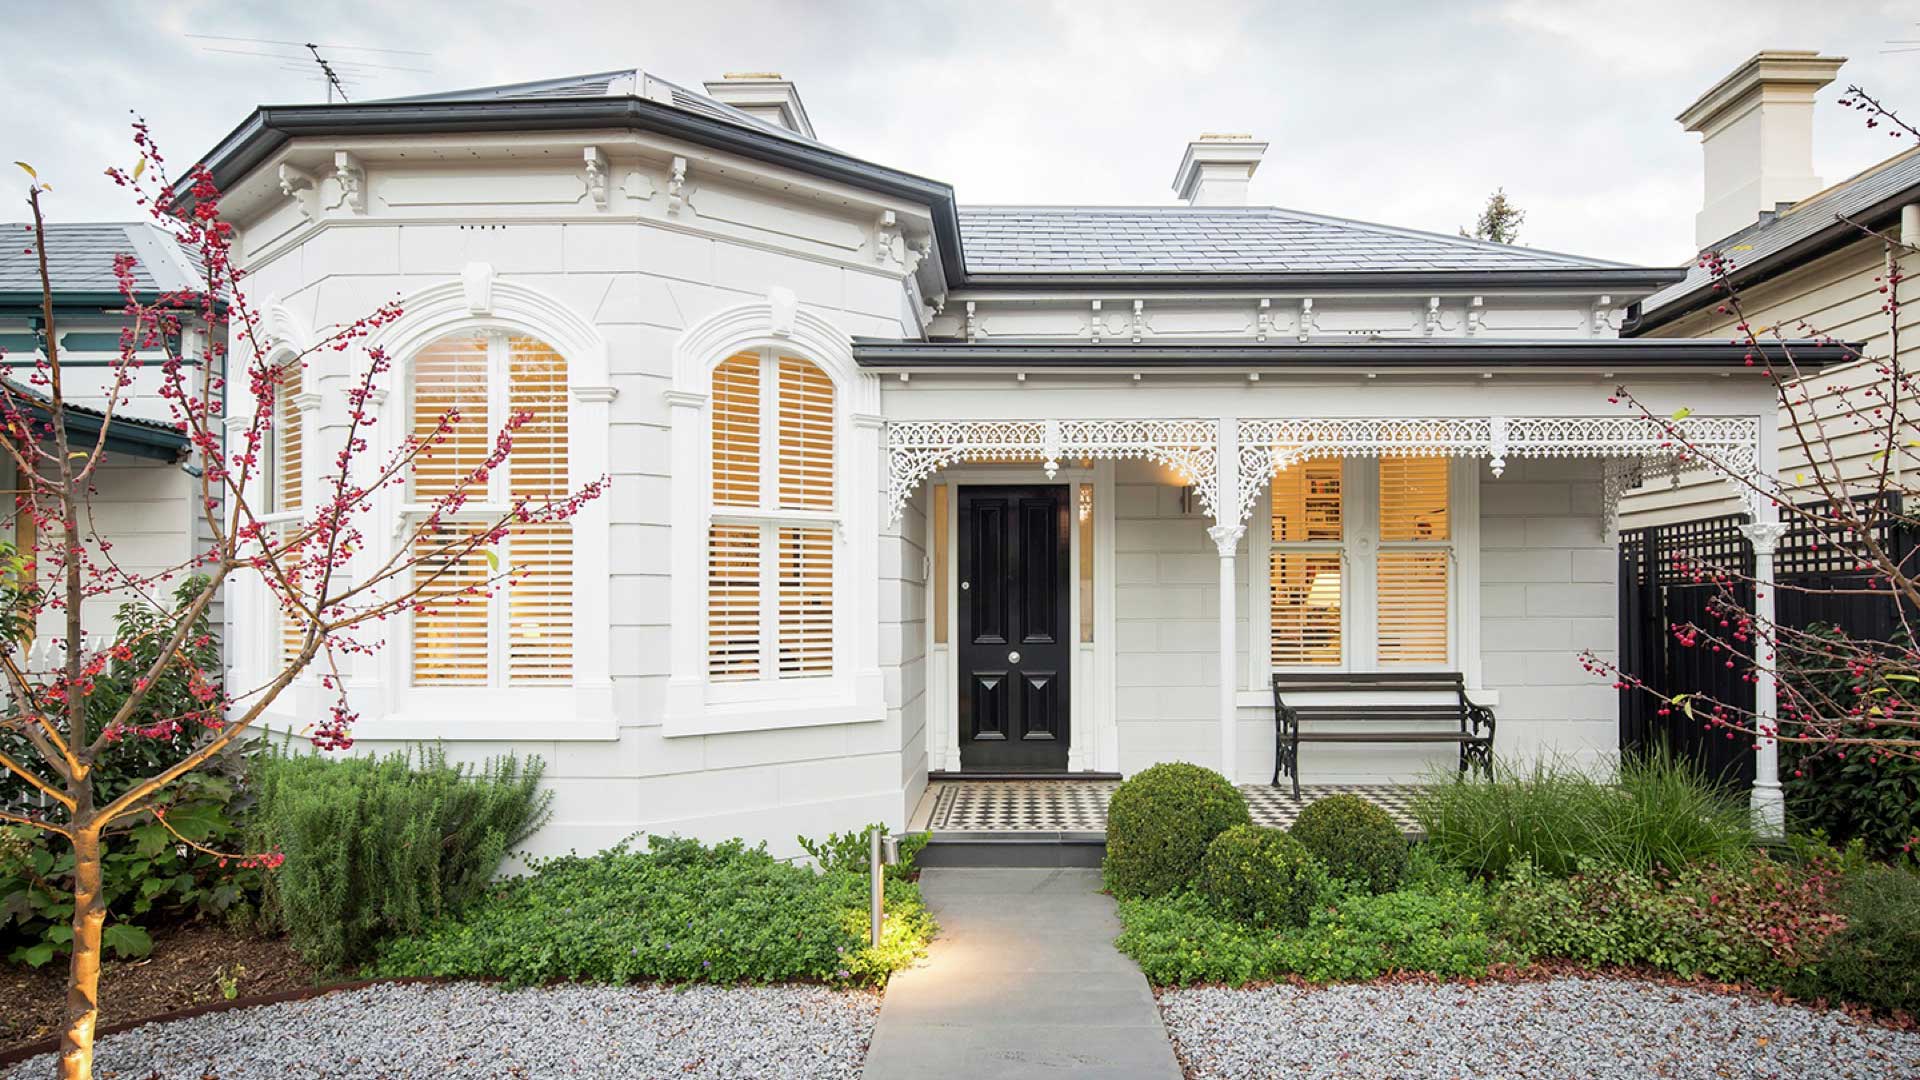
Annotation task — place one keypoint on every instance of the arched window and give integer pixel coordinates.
(498, 615)
(773, 514)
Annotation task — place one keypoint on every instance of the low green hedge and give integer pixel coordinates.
(1160, 823)
(678, 912)
(1262, 876)
(1355, 839)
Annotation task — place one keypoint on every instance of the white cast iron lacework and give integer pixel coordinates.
(916, 449)
(919, 448)
(1731, 442)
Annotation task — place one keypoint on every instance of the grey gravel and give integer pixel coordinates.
(1577, 1029)
(473, 1030)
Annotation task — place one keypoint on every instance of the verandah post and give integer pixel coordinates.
(1226, 533)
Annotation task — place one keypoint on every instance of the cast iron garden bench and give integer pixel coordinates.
(1388, 721)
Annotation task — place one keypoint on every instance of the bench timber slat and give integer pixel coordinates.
(1474, 733)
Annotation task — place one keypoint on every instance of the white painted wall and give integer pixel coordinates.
(641, 276)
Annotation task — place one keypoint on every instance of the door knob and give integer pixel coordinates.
(1013, 658)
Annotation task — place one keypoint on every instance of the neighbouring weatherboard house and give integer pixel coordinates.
(147, 499)
(1803, 265)
(906, 489)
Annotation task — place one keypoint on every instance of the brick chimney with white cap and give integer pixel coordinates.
(1756, 131)
(1217, 169)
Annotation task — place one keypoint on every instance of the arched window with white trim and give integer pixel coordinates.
(773, 515)
(498, 614)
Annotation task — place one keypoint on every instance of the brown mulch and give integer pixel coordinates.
(182, 971)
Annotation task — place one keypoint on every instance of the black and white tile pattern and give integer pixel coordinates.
(1081, 805)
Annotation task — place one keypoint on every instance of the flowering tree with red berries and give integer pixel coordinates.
(1839, 697)
(210, 349)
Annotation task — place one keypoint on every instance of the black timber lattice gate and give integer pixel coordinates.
(1658, 592)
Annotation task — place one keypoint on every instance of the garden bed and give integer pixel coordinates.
(184, 970)
(1571, 1028)
(473, 1030)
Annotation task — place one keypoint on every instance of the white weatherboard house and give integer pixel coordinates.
(904, 488)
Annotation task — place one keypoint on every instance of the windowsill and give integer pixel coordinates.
(1263, 699)
(576, 713)
(690, 710)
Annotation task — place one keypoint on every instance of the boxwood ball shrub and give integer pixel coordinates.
(1159, 824)
(1261, 876)
(1356, 840)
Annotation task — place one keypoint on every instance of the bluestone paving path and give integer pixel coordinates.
(1023, 981)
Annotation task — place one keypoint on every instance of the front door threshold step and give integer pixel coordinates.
(1032, 849)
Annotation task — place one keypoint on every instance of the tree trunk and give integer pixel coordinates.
(83, 982)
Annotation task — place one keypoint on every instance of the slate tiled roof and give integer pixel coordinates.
(1248, 240)
(1776, 234)
(622, 83)
(80, 257)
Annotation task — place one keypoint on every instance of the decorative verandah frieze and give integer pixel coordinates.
(1636, 447)
(916, 449)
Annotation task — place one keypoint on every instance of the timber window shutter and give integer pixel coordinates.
(499, 615)
(772, 538)
(1413, 577)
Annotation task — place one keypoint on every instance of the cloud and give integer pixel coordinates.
(1406, 113)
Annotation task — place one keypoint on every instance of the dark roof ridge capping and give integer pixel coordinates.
(1806, 230)
(1185, 248)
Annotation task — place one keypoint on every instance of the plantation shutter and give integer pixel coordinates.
(806, 436)
(451, 632)
(736, 431)
(286, 482)
(289, 442)
(770, 579)
(539, 600)
(1306, 595)
(1413, 576)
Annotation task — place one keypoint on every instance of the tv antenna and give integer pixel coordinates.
(305, 56)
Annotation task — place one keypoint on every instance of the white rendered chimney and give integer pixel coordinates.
(767, 95)
(1217, 169)
(1756, 130)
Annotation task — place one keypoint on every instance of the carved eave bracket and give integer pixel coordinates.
(594, 173)
(677, 186)
(303, 188)
(351, 175)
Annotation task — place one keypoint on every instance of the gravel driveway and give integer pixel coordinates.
(469, 1030)
(1566, 1028)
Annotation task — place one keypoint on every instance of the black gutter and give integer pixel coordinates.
(1452, 355)
(1624, 278)
(1829, 239)
(126, 436)
(273, 126)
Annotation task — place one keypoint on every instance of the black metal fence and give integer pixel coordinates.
(1659, 591)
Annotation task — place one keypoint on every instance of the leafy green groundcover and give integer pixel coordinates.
(1183, 939)
(680, 912)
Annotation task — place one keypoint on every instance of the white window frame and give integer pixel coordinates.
(1359, 549)
(382, 685)
(769, 518)
(306, 405)
(855, 692)
(498, 501)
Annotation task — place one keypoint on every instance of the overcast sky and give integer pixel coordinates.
(1408, 114)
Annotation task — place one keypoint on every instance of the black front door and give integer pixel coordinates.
(1014, 652)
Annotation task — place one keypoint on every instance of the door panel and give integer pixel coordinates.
(1014, 648)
